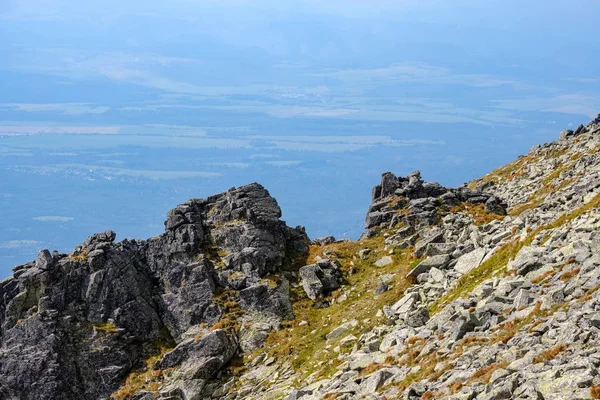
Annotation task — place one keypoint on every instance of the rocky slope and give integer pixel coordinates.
(486, 291)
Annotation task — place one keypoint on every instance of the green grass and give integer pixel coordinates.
(106, 327)
(496, 264)
(305, 347)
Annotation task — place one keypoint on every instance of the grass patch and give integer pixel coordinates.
(369, 369)
(214, 254)
(431, 366)
(567, 276)
(455, 387)
(81, 256)
(595, 392)
(428, 395)
(147, 378)
(588, 295)
(228, 301)
(484, 375)
(305, 346)
(106, 327)
(507, 330)
(542, 277)
(478, 212)
(519, 209)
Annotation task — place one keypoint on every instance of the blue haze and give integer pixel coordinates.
(111, 113)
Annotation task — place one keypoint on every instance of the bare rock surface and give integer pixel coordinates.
(74, 326)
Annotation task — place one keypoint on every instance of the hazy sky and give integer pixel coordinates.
(427, 60)
(165, 100)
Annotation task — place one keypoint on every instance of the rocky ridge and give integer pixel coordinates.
(486, 291)
(76, 326)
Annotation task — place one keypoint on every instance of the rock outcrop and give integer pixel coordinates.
(320, 279)
(75, 326)
(422, 200)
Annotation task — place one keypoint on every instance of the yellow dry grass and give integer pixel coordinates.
(550, 354)
(305, 346)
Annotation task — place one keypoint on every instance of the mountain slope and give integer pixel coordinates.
(501, 306)
(486, 291)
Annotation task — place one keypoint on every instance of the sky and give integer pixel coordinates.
(113, 112)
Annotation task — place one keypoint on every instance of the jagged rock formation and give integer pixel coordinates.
(488, 291)
(74, 326)
(422, 199)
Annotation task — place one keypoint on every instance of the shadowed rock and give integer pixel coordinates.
(73, 327)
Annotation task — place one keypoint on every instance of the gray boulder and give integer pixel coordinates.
(565, 134)
(202, 358)
(318, 280)
(439, 262)
(470, 261)
(266, 299)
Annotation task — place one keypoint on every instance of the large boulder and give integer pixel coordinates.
(273, 299)
(205, 356)
(439, 261)
(469, 261)
(319, 280)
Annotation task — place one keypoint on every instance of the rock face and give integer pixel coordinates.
(74, 326)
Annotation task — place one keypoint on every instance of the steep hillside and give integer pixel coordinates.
(486, 291)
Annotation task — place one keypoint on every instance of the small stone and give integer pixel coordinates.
(382, 287)
(405, 304)
(348, 339)
(341, 330)
(364, 253)
(383, 261)
(270, 361)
